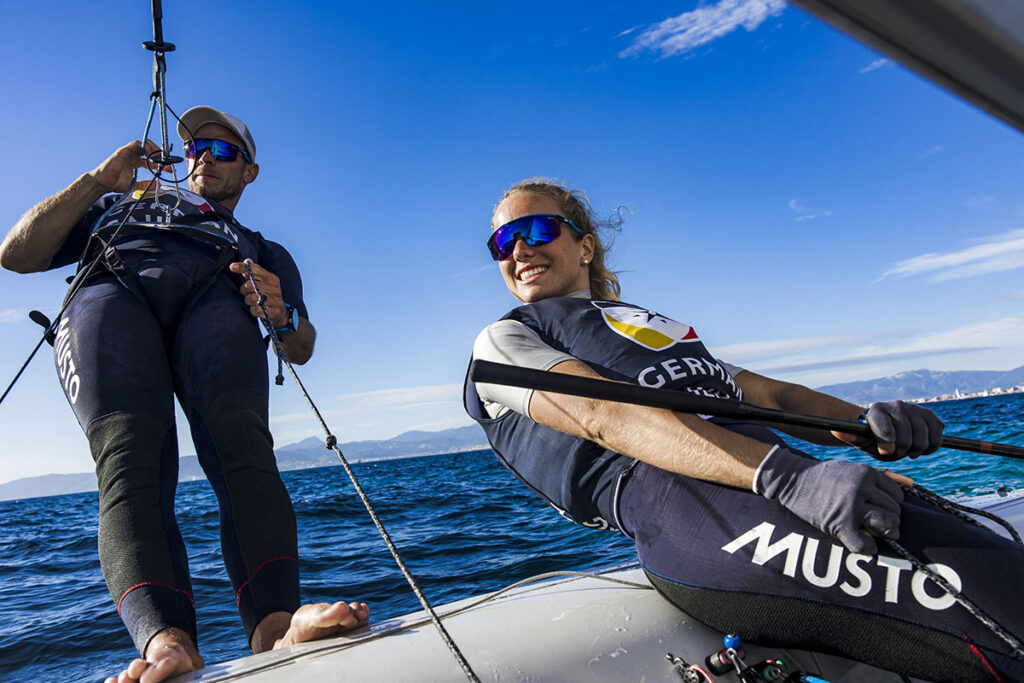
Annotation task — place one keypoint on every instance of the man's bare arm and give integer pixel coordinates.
(298, 346)
(31, 244)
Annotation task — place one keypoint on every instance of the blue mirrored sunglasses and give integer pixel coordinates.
(535, 229)
(219, 150)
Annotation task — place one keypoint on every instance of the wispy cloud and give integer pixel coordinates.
(873, 359)
(803, 355)
(979, 199)
(930, 152)
(390, 400)
(1018, 296)
(782, 348)
(473, 271)
(631, 29)
(12, 315)
(992, 255)
(681, 34)
(806, 214)
(877, 64)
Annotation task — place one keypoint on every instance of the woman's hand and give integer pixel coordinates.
(898, 430)
(850, 501)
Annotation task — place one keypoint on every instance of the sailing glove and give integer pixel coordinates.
(914, 430)
(843, 499)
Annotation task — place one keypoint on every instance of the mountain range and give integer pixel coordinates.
(312, 452)
(925, 384)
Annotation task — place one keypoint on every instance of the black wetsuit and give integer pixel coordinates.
(742, 563)
(171, 322)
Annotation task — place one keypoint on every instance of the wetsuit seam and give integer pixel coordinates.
(804, 599)
(104, 416)
(976, 651)
(154, 583)
(238, 593)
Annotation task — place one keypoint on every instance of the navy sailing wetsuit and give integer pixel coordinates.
(742, 563)
(171, 322)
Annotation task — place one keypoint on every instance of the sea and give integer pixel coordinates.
(463, 524)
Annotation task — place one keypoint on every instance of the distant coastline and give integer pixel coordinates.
(917, 386)
(960, 395)
(307, 454)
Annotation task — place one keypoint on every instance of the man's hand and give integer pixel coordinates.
(297, 347)
(38, 235)
(898, 430)
(115, 174)
(270, 286)
(847, 500)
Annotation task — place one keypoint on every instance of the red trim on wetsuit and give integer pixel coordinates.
(153, 583)
(984, 661)
(238, 593)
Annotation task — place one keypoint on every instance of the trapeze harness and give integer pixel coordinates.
(166, 208)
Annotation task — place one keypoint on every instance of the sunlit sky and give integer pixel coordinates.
(818, 213)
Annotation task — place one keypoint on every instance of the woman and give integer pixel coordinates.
(731, 524)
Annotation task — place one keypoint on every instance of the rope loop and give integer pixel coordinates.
(958, 511)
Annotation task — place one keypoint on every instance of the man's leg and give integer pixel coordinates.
(220, 365)
(220, 372)
(112, 364)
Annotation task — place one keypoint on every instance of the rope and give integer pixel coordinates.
(160, 96)
(974, 609)
(79, 281)
(957, 510)
(332, 444)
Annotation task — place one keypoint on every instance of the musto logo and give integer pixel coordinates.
(646, 328)
(851, 571)
(65, 365)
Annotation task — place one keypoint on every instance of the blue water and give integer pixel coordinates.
(463, 523)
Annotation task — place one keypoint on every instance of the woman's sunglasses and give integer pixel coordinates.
(220, 150)
(535, 229)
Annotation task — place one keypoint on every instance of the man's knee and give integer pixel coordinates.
(127, 450)
(237, 426)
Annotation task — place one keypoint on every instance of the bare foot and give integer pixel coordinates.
(169, 653)
(310, 622)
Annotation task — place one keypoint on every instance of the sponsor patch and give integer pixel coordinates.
(805, 560)
(646, 328)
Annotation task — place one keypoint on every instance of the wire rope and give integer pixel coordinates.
(331, 442)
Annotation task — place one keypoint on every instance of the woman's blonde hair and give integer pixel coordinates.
(574, 205)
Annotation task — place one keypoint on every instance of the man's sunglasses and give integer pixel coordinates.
(535, 229)
(220, 150)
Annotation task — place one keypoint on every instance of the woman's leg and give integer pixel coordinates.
(741, 563)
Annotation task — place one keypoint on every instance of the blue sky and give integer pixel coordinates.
(816, 212)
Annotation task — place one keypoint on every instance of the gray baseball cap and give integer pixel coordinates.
(197, 117)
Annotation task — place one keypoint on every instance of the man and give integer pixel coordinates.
(169, 310)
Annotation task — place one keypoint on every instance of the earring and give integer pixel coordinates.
(585, 261)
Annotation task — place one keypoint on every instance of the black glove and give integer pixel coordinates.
(841, 498)
(914, 430)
